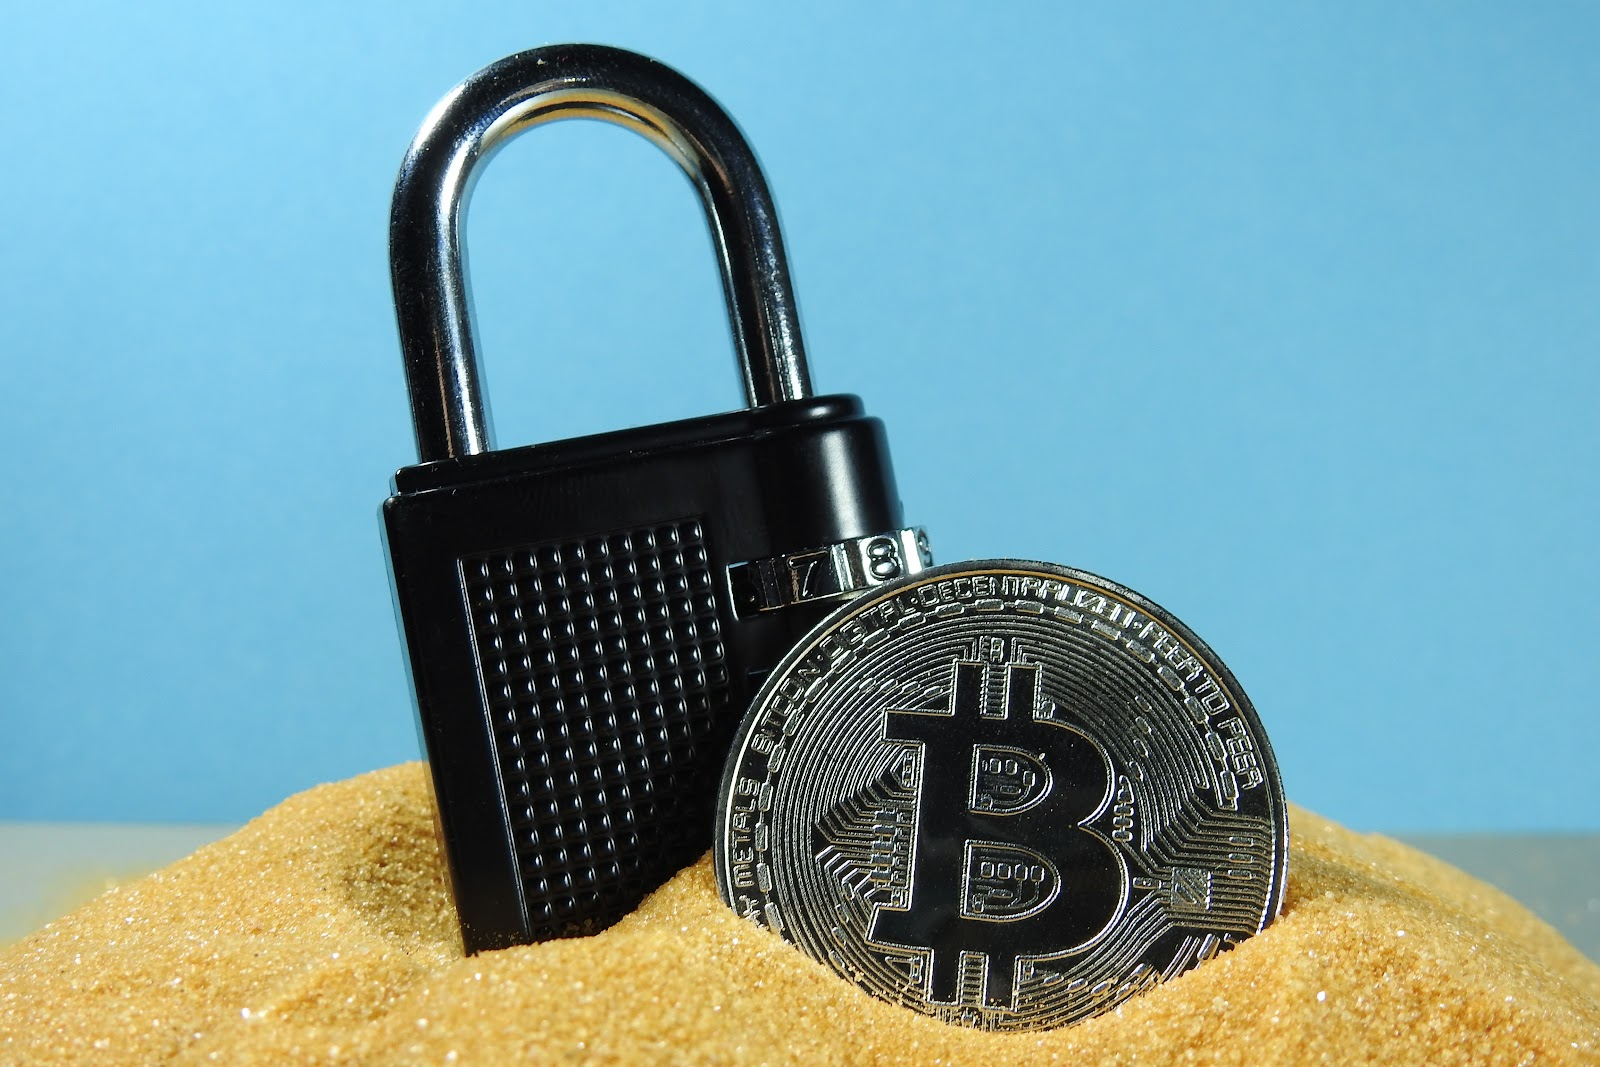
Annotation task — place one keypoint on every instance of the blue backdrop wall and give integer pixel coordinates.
(1287, 317)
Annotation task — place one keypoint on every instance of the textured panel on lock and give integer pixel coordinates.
(603, 667)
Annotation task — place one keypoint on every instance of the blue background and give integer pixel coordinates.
(1287, 316)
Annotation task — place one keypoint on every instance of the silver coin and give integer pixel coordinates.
(1010, 795)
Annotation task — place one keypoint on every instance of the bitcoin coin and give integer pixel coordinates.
(1007, 794)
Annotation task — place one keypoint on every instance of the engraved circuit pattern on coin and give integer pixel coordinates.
(1006, 794)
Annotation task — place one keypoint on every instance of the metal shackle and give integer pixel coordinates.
(426, 238)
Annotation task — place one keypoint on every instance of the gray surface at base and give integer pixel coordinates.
(1556, 876)
(47, 869)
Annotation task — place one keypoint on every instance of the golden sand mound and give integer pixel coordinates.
(323, 933)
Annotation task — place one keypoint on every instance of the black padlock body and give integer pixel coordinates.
(576, 656)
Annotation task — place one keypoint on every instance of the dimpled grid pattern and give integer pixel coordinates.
(603, 668)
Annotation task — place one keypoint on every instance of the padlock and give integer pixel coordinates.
(585, 621)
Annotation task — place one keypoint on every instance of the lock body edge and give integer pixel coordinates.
(655, 697)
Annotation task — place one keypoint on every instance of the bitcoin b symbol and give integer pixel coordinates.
(1004, 865)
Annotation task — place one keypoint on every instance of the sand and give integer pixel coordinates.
(322, 933)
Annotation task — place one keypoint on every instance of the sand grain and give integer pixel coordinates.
(322, 933)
